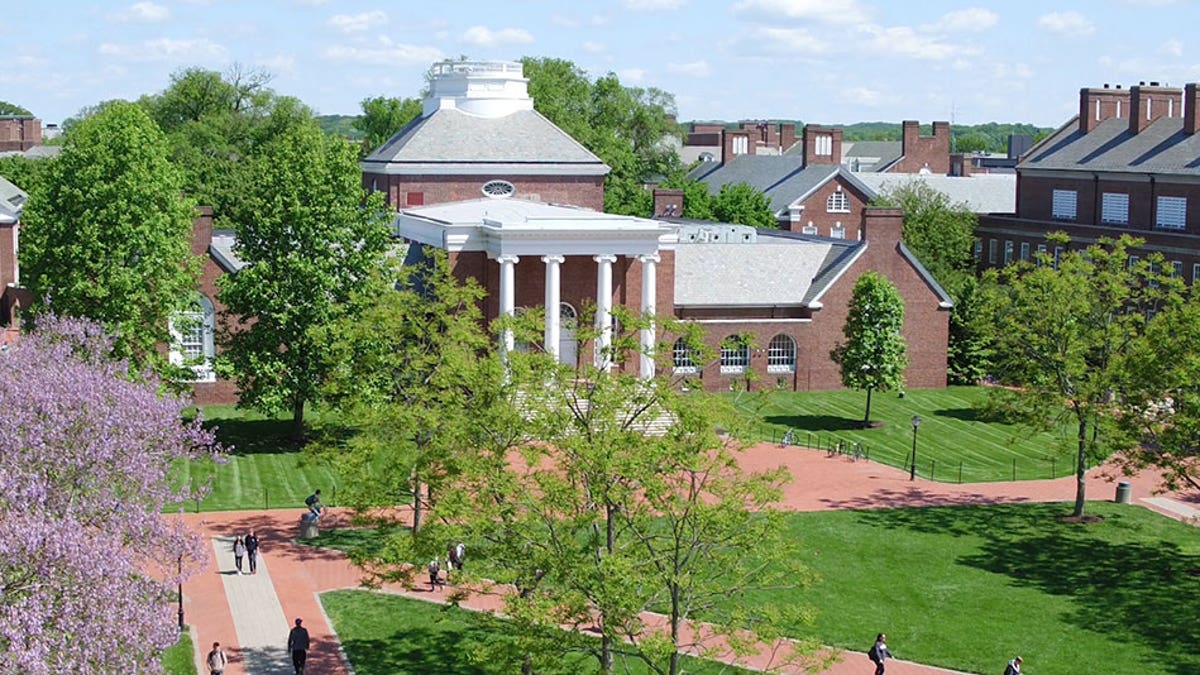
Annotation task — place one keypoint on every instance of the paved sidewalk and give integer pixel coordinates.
(221, 606)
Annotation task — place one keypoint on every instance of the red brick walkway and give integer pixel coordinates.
(300, 573)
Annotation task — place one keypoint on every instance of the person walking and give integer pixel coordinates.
(435, 569)
(297, 644)
(239, 552)
(252, 551)
(216, 660)
(1014, 666)
(460, 554)
(313, 502)
(879, 653)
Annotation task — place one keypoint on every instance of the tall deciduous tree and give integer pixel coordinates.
(1062, 328)
(310, 238)
(7, 108)
(382, 117)
(108, 233)
(874, 354)
(88, 562)
(742, 203)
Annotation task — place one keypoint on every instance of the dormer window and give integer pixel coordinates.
(498, 189)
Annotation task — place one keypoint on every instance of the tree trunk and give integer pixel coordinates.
(417, 506)
(1081, 471)
(298, 420)
(867, 416)
(610, 543)
(675, 619)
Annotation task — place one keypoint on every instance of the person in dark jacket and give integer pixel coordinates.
(251, 542)
(1014, 666)
(298, 646)
(879, 653)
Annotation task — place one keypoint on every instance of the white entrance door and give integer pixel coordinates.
(567, 344)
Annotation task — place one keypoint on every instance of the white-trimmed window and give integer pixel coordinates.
(1176, 269)
(1114, 208)
(192, 344)
(1024, 250)
(823, 145)
(1171, 213)
(837, 202)
(684, 358)
(781, 355)
(1196, 273)
(1133, 261)
(809, 229)
(992, 244)
(978, 249)
(498, 189)
(1008, 251)
(838, 231)
(1063, 204)
(735, 355)
(1058, 254)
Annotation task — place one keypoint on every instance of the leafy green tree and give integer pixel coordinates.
(741, 203)
(382, 117)
(697, 203)
(7, 108)
(874, 354)
(24, 172)
(1062, 330)
(972, 142)
(941, 234)
(970, 350)
(108, 235)
(310, 238)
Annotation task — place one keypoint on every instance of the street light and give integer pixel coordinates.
(912, 470)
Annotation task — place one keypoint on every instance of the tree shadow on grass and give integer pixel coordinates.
(267, 437)
(815, 423)
(1131, 591)
(963, 414)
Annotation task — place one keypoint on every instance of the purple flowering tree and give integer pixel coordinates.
(88, 562)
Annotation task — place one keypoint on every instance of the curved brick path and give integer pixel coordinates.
(299, 573)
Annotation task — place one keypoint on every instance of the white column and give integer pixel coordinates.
(604, 310)
(508, 294)
(553, 315)
(649, 288)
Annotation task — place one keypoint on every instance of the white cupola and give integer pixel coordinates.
(482, 88)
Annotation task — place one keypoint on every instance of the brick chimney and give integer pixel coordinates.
(1097, 105)
(1191, 108)
(822, 145)
(734, 143)
(882, 226)
(910, 135)
(960, 164)
(202, 230)
(787, 136)
(1149, 103)
(668, 202)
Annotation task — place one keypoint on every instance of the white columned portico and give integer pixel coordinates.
(604, 311)
(649, 291)
(508, 295)
(553, 305)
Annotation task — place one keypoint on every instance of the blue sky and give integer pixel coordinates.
(825, 61)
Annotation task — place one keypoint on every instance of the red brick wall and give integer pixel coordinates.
(586, 191)
(921, 151)
(1037, 197)
(815, 210)
(1112, 103)
(20, 134)
(1148, 104)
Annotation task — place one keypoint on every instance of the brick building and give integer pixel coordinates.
(12, 296)
(19, 133)
(773, 303)
(1129, 162)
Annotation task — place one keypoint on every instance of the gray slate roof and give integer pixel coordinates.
(451, 137)
(783, 178)
(982, 193)
(221, 249)
(872, 155)
(12, 201)
(1160, 148)
(36, 152)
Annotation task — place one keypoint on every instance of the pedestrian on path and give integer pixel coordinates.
(252, 551)
(216, 660)
(313, 502)
(879, 653)
(1014, 666)
(239, 551)
(298, 646)
(460, 555)
(435, 578)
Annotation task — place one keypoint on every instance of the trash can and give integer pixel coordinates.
(308, 526)
(1124, 492)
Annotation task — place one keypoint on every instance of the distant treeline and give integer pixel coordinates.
(990, 137)
(340, 125)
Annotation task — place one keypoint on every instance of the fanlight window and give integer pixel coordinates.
(735, 355)
(781, 355)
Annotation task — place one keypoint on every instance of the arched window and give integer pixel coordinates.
(684, 358)
(837, 203)
(781, 355)
(192, 339)
(735, 355)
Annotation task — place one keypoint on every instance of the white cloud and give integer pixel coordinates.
(279, 64)
(966, 20)
(652, 5)
(483, 36)
(167, 49)
(593, 47)
(793, 41)
(828, 11)
(860, 96)
(1072, 24)
(1172, 47)
(564, 21)
(1008, 72)
(631, 75)
(357, 23)
(387, 53)
(691, 68)
(143, 12)
(312, 3)
(904, 41)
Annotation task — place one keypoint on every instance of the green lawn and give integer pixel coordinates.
(392, 635)
(959, 587)
(953, 439)
(178, 660)
(264, 469)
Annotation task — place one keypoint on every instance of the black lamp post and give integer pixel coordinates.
(180, 590)
(912, 470)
